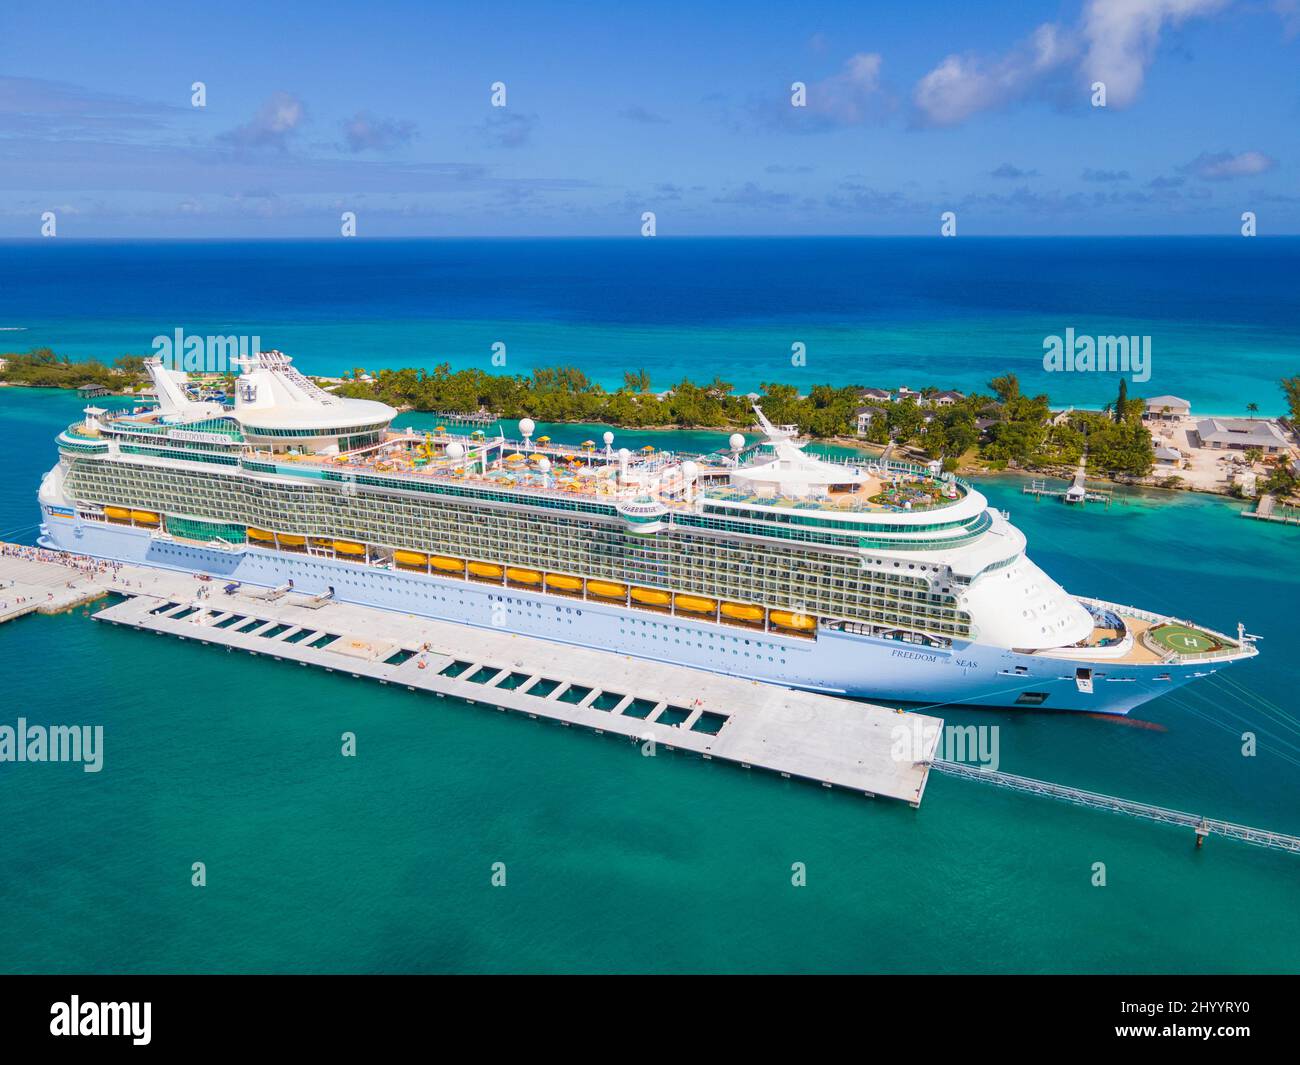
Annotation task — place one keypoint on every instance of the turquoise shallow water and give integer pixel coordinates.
(617, 862)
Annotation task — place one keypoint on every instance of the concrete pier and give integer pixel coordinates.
(40, 588)
(829, 741)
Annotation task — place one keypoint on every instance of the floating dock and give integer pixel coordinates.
(838, 743)
(1267, 510)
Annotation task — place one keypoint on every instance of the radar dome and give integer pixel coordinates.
(689, 470)
(624, 454)
(526, 426)
(608, 438)
(455, 451)
(737, 441)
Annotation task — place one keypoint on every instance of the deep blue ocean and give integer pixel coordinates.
(618, 862)
(1223, 314)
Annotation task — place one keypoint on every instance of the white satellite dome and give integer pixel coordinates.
(690, 470)
(624, 454)
(608, 438)
(544, 464)
(736, 442)
(526, 426)
(455, 451)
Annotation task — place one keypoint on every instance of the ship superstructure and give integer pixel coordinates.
(882, 580)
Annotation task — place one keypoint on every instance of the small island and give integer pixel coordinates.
(1000, 430)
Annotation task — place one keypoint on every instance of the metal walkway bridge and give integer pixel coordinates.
(1203, 826)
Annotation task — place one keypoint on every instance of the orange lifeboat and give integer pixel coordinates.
(695, 604)
(607, 589)
(651, 597)
(742, 612)
(798, 622)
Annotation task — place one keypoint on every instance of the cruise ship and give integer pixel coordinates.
(881, 580)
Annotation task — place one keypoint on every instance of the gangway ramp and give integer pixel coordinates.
(1201, 825)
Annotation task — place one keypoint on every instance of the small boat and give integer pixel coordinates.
(742, 612)
(411, 559)
(144, 517)
(523, 576)
(349, 547)
(289, 540)
(260, 534)
(117, 513)
(651, 596)
(447, 565)
(563, 582)
(485, 569)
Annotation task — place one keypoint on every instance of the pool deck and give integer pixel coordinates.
(838, 743)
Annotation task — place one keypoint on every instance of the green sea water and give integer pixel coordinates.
(618, 862)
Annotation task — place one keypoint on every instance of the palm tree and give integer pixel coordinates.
(1252, 409)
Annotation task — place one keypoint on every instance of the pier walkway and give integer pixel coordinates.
(1203, 826)
(834, 742)
(28, 587)
(830, 741)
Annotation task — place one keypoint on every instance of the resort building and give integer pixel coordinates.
(1240, 434)
(866, 415)
(1166, 409)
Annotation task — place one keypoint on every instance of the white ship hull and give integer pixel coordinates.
(841, 663)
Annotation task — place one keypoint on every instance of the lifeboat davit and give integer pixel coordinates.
(563, 583)
(742, 612)
(607, 589)
(485, 569)
(695, 604)
(651, 596)
(798, 622)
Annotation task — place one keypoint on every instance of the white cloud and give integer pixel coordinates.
(1223, 166)
(364, 132)
(962, 86)
(850, 97)
(275, 122)
(1115, 42)
(1121, 38)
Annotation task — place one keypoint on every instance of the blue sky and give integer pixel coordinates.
(683, 109)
